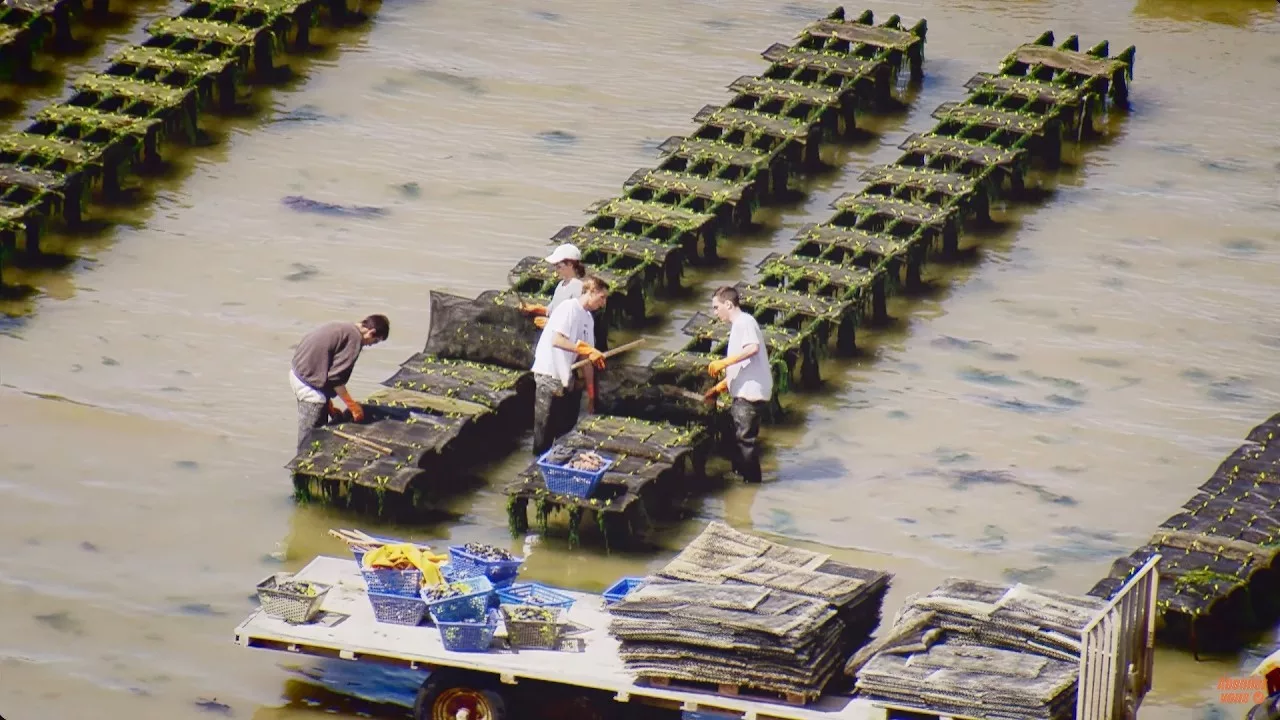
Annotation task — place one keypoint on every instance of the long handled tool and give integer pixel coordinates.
(620, 349)
(361, 441)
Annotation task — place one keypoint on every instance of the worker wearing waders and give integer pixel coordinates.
(567, 260)
(322, 365)
(747, 378)
(568, 335)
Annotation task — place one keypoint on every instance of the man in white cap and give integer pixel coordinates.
(567, 260)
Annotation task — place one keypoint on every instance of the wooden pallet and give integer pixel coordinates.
(727, 689)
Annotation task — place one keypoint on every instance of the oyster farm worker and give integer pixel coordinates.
(567, 260)
(322, 365)
(567, 337)
(747, 379)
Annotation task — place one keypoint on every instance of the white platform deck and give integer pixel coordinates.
(349, 631)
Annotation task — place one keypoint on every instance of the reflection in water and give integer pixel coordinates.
(1237, 13)
(1039, 414)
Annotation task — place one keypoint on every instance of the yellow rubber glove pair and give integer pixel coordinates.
(400, 555)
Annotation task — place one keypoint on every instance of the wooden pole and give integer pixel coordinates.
(361, 441)
(620, 349)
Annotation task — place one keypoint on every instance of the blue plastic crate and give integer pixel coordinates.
(501, 573)
(534, 594)
(397, 609)
(405, 583)
(473, 635)
(568, 481)
(471, 606)
(621, 589)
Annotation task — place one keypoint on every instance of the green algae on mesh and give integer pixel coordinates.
(698, 149)
(971, 151)
(89, 117)
(926, 179)
(731, 118)
(920, 213)
(1013, 120)
(816, 271)
(759, 297)
(272, 8)
(49, 148)
(193, 64)
(29, 177)
(646, 250)
(653, 213)
(207, 30)
(792, 90)
(854, 32)
(686, 183)
(847, 65)
(153, 93)
(1024, 88)
(857, 241)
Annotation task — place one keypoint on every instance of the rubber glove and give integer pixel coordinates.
(533, 309)
(716, 390)
(717, 366)
(357, 411)
(334, 415)
(597, 357)
(540, 322)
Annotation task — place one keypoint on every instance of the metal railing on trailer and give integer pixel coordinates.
(1118, 650)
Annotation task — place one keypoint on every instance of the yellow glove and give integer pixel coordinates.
(596, 357)
(717, 366)
(718, 388)
(540, 322)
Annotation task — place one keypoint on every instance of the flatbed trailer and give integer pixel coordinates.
(592, 681)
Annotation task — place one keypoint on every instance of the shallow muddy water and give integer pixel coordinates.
(1039, 416)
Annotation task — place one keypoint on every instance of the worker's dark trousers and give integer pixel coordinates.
(745, 415)
(555, 412)
(310, 416)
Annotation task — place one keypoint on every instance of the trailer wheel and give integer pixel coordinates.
(458, 696)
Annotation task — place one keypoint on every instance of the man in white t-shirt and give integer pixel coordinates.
(747, 378)
(567, 337)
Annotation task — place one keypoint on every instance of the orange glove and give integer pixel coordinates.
(717, 366)
(533, 309)
(596, 357)
(333, 411)
(540, 321)
(357, 411)
(716, 390)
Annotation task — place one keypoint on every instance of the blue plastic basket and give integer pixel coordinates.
(501, 573)
(621, 589)
(397, 609)
(568, 481)
(535, 594)
(405, 583)
(473, 635)
(471, 606)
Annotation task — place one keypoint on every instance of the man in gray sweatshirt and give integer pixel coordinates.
(322, 365)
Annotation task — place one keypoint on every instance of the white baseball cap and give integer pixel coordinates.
(567, 251)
